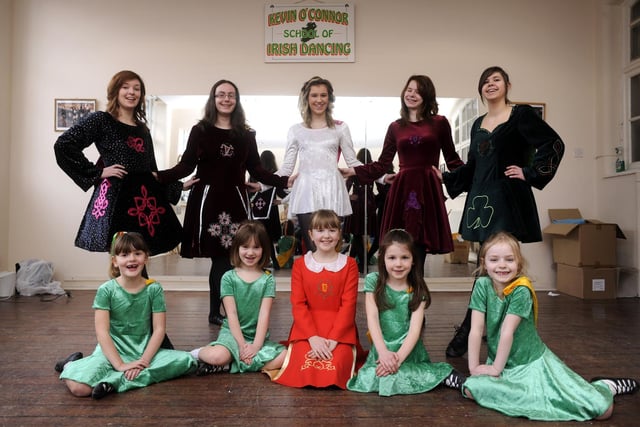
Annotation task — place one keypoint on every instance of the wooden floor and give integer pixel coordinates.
(594, 338)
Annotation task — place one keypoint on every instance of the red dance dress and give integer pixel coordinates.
(415, 201)
(323, 300)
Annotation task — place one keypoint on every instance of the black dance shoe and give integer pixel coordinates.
(207, 369)
(71, 358)
(458, 345)
(216, 320)
(454, 380)
(101, 390)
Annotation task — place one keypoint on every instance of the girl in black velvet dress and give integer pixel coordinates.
(512, 149)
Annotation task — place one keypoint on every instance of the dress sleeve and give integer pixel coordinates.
(158, 304)
(69, 150)
(255, 167)
(459, 180)
(102, 300)
(188, 160)
(548, 146)
(521, 303)
(344, 325)
(346, 146)
(479, 295)
(290, 154)
(449, 153)
(368, 173)
(303, 325)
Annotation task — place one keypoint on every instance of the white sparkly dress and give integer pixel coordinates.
(319, 184)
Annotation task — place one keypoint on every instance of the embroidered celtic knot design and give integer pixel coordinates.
(136, 143)
(101, 203)
(414, 140)
(226, 150)
(224, 229)
(147, 211)
(479, 213)
(321, 365)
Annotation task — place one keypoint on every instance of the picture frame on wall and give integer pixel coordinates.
(68, 112)
(540, 107)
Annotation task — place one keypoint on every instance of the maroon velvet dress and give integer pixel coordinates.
(416, 200)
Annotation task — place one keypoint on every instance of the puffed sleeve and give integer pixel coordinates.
(69, 150)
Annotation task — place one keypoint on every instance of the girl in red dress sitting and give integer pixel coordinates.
(324, 349)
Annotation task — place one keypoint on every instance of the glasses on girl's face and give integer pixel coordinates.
(223, 95)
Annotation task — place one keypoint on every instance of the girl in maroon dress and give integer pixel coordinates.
(415, 201)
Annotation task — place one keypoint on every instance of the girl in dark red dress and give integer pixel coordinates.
(415, 201)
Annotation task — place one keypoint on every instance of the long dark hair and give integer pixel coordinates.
(238, 120)
(119, 79)
(414, 279)
(427, 91)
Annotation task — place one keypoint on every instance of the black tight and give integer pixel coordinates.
(219, 266)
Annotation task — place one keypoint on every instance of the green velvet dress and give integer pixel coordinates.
(130, 329)
(534, 383)
(417, 374)
(248, 298)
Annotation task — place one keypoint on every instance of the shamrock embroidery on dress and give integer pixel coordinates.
(147, 210)
(479, 213)
(224, 229)
(412, 201)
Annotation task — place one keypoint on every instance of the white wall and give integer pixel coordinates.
(71, 48)
(5, 130)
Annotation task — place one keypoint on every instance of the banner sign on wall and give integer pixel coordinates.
(309, 33)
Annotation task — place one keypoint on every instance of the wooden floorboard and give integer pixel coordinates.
(593, 337)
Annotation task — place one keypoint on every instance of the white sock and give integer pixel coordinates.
(196, 352)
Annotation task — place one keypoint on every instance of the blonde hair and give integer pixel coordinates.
(303, 100)
(494, 239)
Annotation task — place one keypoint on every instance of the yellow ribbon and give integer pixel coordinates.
(524, 281)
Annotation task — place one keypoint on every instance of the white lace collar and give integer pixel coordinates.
(317, 267)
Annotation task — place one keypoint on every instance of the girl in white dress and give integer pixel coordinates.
(318, 140)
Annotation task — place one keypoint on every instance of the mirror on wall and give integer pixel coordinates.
(171, 118)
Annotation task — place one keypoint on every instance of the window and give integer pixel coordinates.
(462, 127)
(632, 82)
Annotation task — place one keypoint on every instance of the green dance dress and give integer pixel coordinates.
(417, 374)
(130, 329)
(534, 383)
(248, 298)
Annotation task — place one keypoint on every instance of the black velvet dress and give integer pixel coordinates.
(494, 201)
(136, 202)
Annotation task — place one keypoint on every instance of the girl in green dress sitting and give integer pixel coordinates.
(522, 377)
(130, 319)
(396, 299)
(247, 295)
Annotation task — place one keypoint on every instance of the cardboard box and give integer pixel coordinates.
(587, 282)
(7, 284)
(581, 242)
(460, 254)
